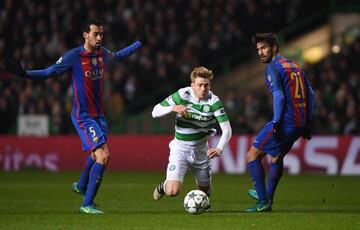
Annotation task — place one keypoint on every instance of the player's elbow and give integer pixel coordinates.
(156, 111)
(153, 113)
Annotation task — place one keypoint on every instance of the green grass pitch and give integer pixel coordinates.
(43, 200)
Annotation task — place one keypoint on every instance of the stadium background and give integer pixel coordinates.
(37, 137)
(323, 36)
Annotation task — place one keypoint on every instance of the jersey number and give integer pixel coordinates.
(92, 131)
(299, 86)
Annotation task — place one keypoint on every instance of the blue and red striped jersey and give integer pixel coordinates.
(87, 71)
(286, 75)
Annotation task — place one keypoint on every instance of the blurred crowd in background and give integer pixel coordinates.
(181, 35)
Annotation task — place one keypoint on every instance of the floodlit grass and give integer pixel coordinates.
(43, 200)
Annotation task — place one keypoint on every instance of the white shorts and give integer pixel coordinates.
(183, 159)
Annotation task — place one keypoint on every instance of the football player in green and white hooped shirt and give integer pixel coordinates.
(197, 112)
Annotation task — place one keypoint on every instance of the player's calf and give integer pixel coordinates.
(205, 189)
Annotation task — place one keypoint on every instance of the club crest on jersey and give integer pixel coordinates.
(172, 167)
(206, 108)
(93, 61)
(101, 60)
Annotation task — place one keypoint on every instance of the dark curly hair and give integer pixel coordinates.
(90, 21)
(269, 38)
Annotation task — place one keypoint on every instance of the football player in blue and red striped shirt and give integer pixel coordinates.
(293, 102)
(87, 64)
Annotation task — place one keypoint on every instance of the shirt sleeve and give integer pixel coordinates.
(165, 107)
(64, 63)
(275, 87)
(273, 78)
(226, 134)
(127, 51)
(160, 110)
(219, 112)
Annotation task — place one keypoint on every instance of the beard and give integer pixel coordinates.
(97, 46)
(267, 58)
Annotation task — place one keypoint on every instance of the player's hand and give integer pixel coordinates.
(277, 131)
(180, 109)
(13, 67)
(306, 134)
(215, 152)
(142, 35)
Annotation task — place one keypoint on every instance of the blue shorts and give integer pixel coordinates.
(92, 131)
(266, 143)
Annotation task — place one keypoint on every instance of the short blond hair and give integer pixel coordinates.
(201, 72)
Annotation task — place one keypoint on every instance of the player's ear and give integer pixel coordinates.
(275, 48)
(85, 35)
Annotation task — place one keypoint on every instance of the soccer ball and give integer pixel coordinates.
(196, 202)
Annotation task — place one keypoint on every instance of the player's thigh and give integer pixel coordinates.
(266, 143)
(103, 125)
(177, 166)
(291, 135)
(90, 132)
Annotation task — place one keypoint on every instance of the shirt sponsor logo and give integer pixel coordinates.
(95, 74)
(199, 117)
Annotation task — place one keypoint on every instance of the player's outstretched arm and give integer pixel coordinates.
(41, 74)
(278, 104)
(160, 110)
(127, 51)
(13, 66)
(226, 133)
(59, 68)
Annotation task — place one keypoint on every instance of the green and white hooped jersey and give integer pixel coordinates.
(202, 116)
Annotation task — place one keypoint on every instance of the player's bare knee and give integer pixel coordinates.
(102, 157)
(172, 191)
(102, 154)
(254, 154)
(277, 159)
(106, 159)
